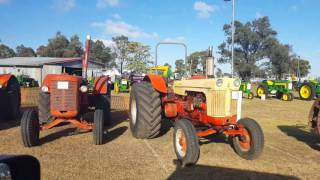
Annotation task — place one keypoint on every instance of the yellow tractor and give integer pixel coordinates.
(164, 71)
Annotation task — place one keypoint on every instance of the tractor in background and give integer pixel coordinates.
(26, 81)
(308, 90)
(67, 98)
(164, 71)
(282, 89)
(10, 97)
(245, 87)
(198, 107)
(122, 84)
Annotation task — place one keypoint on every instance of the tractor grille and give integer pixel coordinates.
(223, 104)
(63, 99)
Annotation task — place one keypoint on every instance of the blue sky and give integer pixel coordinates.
(197, 23)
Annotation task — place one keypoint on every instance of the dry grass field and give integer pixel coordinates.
(291, 151)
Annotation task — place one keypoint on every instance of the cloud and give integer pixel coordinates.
(293, 8)
(119, 28)
(4, 1)
(175, 39)
(64, 5)
(116, 16)
(107, 3)
(258, 15)
(203, 9)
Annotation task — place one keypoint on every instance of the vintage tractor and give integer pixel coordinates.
(198, 108)
(308, 90)
(282, 89)
(67, 98)
(245, 87)
(164, 71)
(10, 97)
(314, 120)
(122, 85)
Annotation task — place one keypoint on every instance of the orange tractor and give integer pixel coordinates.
(198, 107)
(10, 98)
(68, 98)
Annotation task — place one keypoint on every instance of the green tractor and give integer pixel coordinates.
(308, 90)
(282, 89)
(122, 85)
(246, 89)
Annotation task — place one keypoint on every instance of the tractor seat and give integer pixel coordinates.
(270, 82)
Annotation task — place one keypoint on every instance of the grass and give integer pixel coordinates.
(291, 151)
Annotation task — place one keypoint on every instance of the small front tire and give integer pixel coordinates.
(250, 145)
(98, 127)
(30, 128)
(185, 142)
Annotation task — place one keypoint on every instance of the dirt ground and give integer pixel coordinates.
(291, 151)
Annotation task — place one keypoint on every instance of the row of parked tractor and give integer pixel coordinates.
(196, 106)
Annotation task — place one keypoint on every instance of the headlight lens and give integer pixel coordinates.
(83, 89)
(44, 89)
(237, 82)
(219, 82)
(0, 86)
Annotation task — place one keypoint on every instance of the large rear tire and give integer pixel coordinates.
(185, 142)
(98, 127)
(44, 107)
(144, 111)
(251, 144)
(30, 128)
(307, 91)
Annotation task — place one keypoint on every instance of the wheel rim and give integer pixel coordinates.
(285, 97)
(245, 142)
(305, 91)
(260, 91)
(133, 110)
(181, 143)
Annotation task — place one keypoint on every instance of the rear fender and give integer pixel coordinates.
(4, 78)
(101, 85)
(158, 83)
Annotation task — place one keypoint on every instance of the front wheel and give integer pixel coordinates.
(250, 95)
(250, 144)
(30, 128)
(98, 127)
(186, 143)
(307, 91)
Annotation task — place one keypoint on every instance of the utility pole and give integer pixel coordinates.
(232, 36)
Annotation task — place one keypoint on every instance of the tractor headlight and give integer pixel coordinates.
(237, 82)
(44, 89)
(289, 85)
(0, 86)
(84, 89)
(219, 82)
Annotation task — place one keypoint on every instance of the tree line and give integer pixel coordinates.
(124, 54)
(258, 53)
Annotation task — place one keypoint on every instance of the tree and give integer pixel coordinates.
(251, 41)
(196, 58)
(60, 46)
(100, 53)
(74, 48)
(121, 49)
(303, 64)
(23, 51)
(6, 52)
(138, 57)
(180, 67)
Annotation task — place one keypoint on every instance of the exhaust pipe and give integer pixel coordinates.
(210, 64)
(86, 57)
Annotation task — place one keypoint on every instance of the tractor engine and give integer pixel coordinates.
(65, 94)
(206, 101)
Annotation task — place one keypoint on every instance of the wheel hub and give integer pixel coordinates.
(181, 142)
(305, 91)
(245, 140)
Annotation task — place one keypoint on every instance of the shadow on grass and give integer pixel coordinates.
(212, 172)
(8, 124)
(59, 134)
(118, 117)
(297, 132)
(214, 138)
(115, 133)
